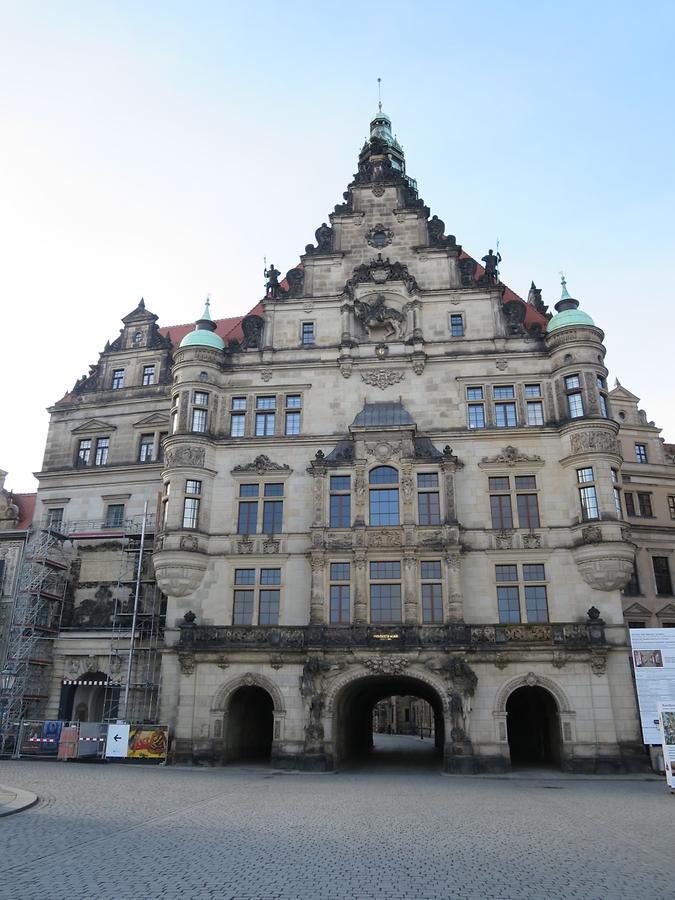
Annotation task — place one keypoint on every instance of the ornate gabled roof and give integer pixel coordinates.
(383, 414)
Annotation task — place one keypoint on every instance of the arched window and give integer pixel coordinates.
(384, 507)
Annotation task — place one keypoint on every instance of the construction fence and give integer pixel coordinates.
(56, 739)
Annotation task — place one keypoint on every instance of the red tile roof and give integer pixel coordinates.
(26, 504)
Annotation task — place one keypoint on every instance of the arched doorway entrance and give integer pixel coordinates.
(83, 701)
(533, 727)
(353, 740)
(249, 725)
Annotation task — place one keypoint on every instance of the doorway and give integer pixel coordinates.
(249, 725)
(533, 728)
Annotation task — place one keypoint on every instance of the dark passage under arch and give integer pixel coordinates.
(249, 725)
(533, 727)
(353, 720)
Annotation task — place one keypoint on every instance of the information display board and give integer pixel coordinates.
(667, 720)
(654, 662)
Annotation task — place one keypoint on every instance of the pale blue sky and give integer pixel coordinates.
(162, 149)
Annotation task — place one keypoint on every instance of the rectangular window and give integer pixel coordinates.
(308, 333)
(630, 503)
(663, 582)
(528, 511)
(390, 569)
(242, 611)
(385, 603)
(575, 405)
(603, 406)
(457, 325)
(500, 510)
(431, 570)
(534, 572)
(190, 512)
(503, 392)
(114, 515)
(249, 490)
(535, 412)
(641, 453)
(572, 383)
(201, 398)
(617, 503)
(273, 512)
(508, 604)
(589, 503)
(533, 390)
(244, 576)
(148, 375)
(384, 506)
(428, 498)
(146, 449)
(671, 506)
(238, 417)
(601, 383)
(117, 379)
(270, 576)
(268, 613)
(102, 447)
(506, 573)
(84, 452)
(340, 593)
(274, 489)
(265, 420)
(476, 415)
(55, 518)
(247, 520)
(585, 475)
(198, 420)
(340, 501)
(645, 505)
(536, 603)
(632, 587)
(474, 393)
(505, 415)
(432, 603)
(293, 408)
(192, 486)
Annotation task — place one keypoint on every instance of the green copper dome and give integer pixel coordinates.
(204, 334)
(568, 312)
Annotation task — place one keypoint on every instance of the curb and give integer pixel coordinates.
(22, 800)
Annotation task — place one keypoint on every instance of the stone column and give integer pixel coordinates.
(411, 615)
(318, 473)
(360, 588)
(346, 325)
(448, 469)
(416, 307)
(455, 601)
(317, 607)
(360, 492)
(408, 491)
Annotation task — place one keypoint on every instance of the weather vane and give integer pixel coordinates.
(379, 94)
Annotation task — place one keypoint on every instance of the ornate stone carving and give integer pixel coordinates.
(265, 375)
(419, 362)
(261, 465)
(244, 547)
(599, 441)
(386, 665)
(510, 456)
(606, 566)
(383, 450)
(388, 538)
(378, 190)
(295, 279)
(377, 315)
(514, 313)
(591, 534)
(378, 230)
(189, 542)
(531, 680)
(408, 487)
(437, 236)
(531, 541)
(324, 238)
(252, 327)
(346, 364)
(559, 658)
(502, 364)
(503, 540)
(179, 572)
(186, 661)
(185, 456)
(383, 378)
(379, 271)
(598, 661)
(338, 541)
(270, 546)
(467, 271)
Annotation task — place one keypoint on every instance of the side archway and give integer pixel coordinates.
(247, 717)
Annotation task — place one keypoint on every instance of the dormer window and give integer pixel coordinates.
(138, 338)
(117, 379)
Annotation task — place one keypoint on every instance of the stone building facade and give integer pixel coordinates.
(16, 515)
(394, 476)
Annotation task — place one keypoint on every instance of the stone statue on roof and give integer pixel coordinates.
(491, 261)
(272, 288)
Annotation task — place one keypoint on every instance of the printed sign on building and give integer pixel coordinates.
(667, 720)
(654, 664)
(150, 742)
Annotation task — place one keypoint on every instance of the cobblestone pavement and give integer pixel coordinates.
(116, 832)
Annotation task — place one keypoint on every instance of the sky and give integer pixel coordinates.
(163, 150)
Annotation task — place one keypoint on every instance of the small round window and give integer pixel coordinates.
(379, 239)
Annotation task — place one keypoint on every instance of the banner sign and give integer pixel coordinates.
(667, 720)
(149, 742)
(654, 664)
(117, 742)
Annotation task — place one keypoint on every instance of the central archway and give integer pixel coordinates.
(353, 720)
(250, 725)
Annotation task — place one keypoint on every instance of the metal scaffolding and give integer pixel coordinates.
(36, 619)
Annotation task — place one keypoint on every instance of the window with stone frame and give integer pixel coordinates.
(265, 415)
(340, 593)
(506, 415)
(261, 506)
(148, 376)
(114, 515)
(428, 498)
(527, 580)
(385, 592)
(639, 504)
(575, 398)
(191, 503)
(54, 517)
(662, 579)
(671, 506)
(293, 414)
(340, 501)
(588, 496)
(102, 448)
(632, 586)
(502, 493)
(383, 496)
(641, 453)
(475, 406)
(431, 590)
(238, 416)
(146, 448)
(200, 411)
(117, 382)
(84, 452)
(307, 333)
(456, 325)
(257, 596)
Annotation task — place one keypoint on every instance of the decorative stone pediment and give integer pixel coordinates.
(92, 426)
(261, 465)
(380, 271)
(154, 420)
(637, 609)
(666, 612)
(511, 456)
